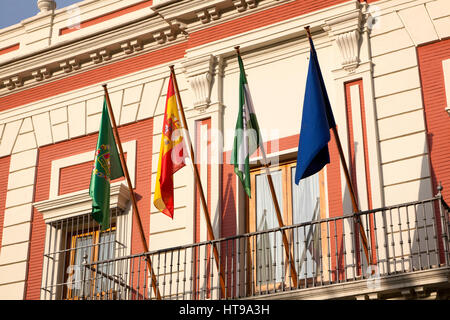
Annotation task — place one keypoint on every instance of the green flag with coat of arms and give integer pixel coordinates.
(107, 167)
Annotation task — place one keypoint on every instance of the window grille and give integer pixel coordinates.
(72, 247)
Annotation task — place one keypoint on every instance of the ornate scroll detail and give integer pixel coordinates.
(346, 31)
(348, 44)
(199, 74)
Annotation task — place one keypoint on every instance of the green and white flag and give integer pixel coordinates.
(247, 137)
(107, 167)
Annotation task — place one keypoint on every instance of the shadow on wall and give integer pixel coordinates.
(412, 234)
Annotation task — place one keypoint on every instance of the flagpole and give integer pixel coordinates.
(130, 188)
(199, 184)
(277, 208)
(349, 184)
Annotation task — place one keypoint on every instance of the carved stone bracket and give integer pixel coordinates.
(69, 65)
(170, 34)
(96, 57)
(101, 55)
(159, 37)
(348, 44)
(199, 74)
(242, 5)
(208, 14)
(41, 74)
(105, 54)
(13, 82)
(177, 26)
(8, 84)
(346, 31)
(131, 46)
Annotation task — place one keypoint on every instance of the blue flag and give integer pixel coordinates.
(317, 120)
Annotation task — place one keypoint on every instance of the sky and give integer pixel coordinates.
(14, 11)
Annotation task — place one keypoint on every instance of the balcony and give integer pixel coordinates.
(408, 246)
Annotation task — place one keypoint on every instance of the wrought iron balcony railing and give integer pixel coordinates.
(402, 239)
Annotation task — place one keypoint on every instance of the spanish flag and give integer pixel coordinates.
(171, 154)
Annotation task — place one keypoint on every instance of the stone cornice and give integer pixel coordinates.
(154, 28)
(108, 44)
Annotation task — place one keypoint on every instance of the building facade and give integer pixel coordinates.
(386, 66)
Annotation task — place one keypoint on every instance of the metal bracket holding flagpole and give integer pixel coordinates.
(133, 197)
(266, 164)
(349, 184)
(199, 184)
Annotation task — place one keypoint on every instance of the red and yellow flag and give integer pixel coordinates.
(171, 154)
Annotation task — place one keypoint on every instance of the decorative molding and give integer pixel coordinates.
(100, 56)
(86, 50)
(9, 84)
(106, 54)
(136, 44)
(242, 5)
(251, 3)
(345, 30)
(13, 82)
(199, 74)
(131, 46)
(70, 65)
(159, 37)
(177, 26)
(213, 12)
(348, 44)
(126, 47)
(79, 203)
(163, 2)
(96, 57)
(170, 34)
(41, 74)
(208, 14)
(156, 33)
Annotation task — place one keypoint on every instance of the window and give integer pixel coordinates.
(298, 204)
(74, 246)
(84, 277)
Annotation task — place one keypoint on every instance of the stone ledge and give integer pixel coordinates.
(409, 285)
(78, 203)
